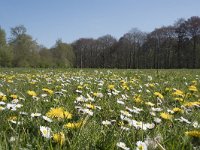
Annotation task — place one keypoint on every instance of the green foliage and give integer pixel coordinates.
(63, 55)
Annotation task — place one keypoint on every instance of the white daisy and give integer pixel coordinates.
(141, 145)
(106, 122)
(46, 131)
(122, 145)
(47, 119)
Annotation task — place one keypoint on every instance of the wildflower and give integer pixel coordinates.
(156, 109)
(193, 133)
(58, 113)
(2, 97)
(167, 89)
(120, 102)
(81, 99)
(120, 123)
(151, 85)
(85, 111)
(178, 99)
(176, 109)
(157, 120)
(122, 145)
(126, 113)
(125, 87)
(2, 103)
(73, 125)
(166, 116)
(47, 90)
(138, 99)
(15, 101)
(79, 87)
(194, 82)
(35, 114)
(106, 122)
(111, 87)
(23, 113)
(13, 107)
(46, 131)
(47, 119)
(90, 106)
(150, 125)
(149, 104)
(192, 104)
(157, 94)
(44, 95)
(183, 120)
(192, 88)
(178, 93)
(13, 96)
(31, 93)
(141, 145)
(100, 95)
(195, 124)
(59, 138)
(12, 118)
(134, 110)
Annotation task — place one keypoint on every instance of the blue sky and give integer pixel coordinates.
(48, 20)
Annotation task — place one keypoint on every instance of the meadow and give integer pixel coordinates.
(46, 109)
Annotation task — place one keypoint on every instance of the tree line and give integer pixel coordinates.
(174, 46)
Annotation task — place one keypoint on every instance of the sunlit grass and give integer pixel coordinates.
(99, 109)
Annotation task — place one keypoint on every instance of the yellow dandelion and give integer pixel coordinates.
(12, 118)
(157, 94)
(95, 94)
(167, 89)
(178, 99)
(194, 82)
(59, 138)
(3, 97)
(73, 125)
(138, 99)
(13, 96)
(125, 87)
(120, 123)
(192, 88)
(111, 87)
(149, 104)
(166, 116)
(193, 133)
(191, 104)
(58, 113)
(47, 90)
(176, 109)
(151, 85)
(178, 93)
(31, 93)
(10, 81)
(80, 87)
(90, 106)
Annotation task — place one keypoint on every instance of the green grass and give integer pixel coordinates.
(92, 134)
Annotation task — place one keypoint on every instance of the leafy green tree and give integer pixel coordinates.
(46, 58)
(5, 51)
(24, 47)
(63, 54)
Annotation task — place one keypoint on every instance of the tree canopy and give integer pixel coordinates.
(173, 46)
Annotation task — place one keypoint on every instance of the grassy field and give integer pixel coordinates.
(99, 109)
